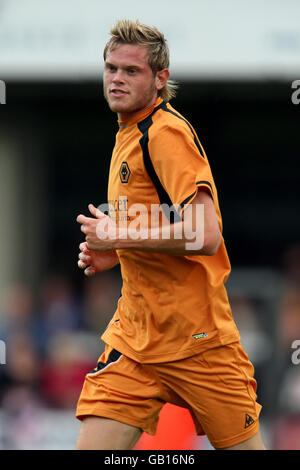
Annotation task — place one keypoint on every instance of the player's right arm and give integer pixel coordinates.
(94, 261)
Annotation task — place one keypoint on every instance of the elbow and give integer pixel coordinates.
(211, 244)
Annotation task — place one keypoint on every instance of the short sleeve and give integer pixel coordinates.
(180, 163)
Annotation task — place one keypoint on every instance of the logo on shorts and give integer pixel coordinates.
(200, 335)
(248, 421)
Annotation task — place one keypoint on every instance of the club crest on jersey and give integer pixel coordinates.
(124, 172)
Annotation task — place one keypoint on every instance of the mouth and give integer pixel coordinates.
(118, 93)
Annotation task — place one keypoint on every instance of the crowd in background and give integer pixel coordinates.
(52, 340)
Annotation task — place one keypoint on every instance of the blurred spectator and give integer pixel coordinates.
(101, 294)
(288, 325)
(59, 309)
(19, 331)
(287, 425)
(286, 433)
(253, 338)
(18, 312)
(291, 265)
(289, 318)
(288, 332)
(290, 392)
(69, 357)
(20, 394)
(22, 365)
(22, 419)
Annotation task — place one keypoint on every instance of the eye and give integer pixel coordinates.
(131, 71)
(111, 68)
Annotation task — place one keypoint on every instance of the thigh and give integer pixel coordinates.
(106, 434)
(121, 390)
(219, 388)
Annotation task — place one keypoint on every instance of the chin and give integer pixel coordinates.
(117, 107)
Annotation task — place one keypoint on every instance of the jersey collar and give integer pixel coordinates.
(140, 116)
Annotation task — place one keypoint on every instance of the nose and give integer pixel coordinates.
(118, 76)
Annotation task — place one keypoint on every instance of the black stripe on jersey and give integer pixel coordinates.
(113, 357)
(187, 199)
(163, 196)
(165, 108)
(144, 125)
(192, 195)
(207, 183)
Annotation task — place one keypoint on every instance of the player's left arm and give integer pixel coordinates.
(197, 234)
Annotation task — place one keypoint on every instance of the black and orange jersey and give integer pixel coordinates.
(171, 307)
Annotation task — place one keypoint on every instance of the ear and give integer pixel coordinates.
(161, 78)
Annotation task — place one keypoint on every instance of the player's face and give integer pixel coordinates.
(128, 81)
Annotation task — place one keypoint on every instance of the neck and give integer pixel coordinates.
(126, 116)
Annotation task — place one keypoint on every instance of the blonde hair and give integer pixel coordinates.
(133, 32)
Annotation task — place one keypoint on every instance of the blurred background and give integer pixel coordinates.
(235, 62)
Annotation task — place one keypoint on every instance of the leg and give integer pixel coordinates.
(118, 400)
(254, 443)
(106, 434)
(219, 388)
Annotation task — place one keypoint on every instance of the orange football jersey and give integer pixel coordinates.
(171, 307)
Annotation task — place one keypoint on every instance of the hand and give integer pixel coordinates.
(100, 231)
(94, 261)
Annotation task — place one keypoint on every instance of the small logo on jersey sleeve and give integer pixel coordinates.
(200, 335)
(124, 172)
